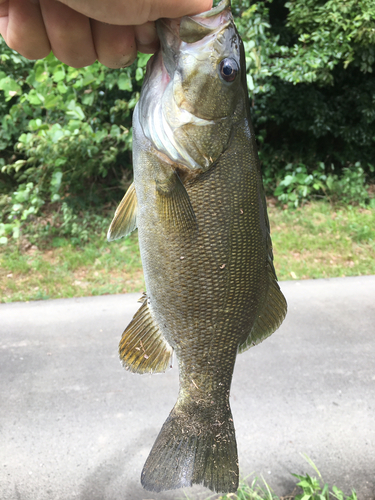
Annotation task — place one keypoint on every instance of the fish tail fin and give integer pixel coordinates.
(191, 449)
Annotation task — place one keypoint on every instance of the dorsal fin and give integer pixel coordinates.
(125, 219)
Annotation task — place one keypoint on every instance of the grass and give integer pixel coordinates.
(321, 241)
(97, 268)
(314, 241)
(307, 488)
(312, 489)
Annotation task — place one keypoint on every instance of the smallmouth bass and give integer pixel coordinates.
(204, 236)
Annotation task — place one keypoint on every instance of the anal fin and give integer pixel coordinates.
(125, 219)
(142, 347)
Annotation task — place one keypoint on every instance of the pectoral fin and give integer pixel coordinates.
(271, 314)
(142, 347)
(175, 208)
(125, 219)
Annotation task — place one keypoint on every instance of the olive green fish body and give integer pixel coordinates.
(198, 203)
(205, 285)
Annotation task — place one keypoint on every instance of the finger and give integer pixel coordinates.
(171, 8)
(4, 18)
(146, 38)
(115, 45)
(69, 33)
(134, 12)
(4, 7)
(25, 31)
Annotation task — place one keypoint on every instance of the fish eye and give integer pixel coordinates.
(228, 69)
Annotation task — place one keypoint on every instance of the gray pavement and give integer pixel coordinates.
(75, 425)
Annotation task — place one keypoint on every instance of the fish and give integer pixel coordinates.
(199, 205)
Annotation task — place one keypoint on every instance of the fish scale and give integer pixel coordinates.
(198, 202)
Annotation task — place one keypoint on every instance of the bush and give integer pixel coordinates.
(299, 186)
(65, 136)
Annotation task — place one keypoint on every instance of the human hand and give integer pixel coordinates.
(79, 32)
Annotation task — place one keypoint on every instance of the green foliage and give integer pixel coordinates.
(334, 32)
(297, 186)
(74, 121)
(313, 489)
(65, 135)
(256, 490)
(321, 240)
(67, 270)
(311, 81)
(350, 188)
(317, 240)
(304, 40)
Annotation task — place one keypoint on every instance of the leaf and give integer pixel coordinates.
(17, 207)
(250, 82)
(16, 232)
(51, 101)
(33, 98)
(60, 161)
(139, 74)
(142, 59)
(75, 111)
(62, 88)
(124, 82)
(41, 73)
(56, 179)
(59, 75)
(10, 87)
(115, 131)
(56, 133)
(89, 99)
(19, 164)
(88, 78)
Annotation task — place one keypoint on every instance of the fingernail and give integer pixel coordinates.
(148, 49)
(145, 34)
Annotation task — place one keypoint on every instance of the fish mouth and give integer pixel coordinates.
(195, 28)
(165, 113)
(189, 29)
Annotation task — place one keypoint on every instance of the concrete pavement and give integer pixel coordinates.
(75, 425)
